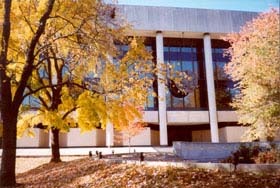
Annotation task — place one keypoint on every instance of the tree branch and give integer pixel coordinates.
(27, 71)
(44, 87)
(70, 111)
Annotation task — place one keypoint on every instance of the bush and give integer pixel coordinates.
(254, 154)
(271, 156)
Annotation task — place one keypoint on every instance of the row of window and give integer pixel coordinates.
(186, 55)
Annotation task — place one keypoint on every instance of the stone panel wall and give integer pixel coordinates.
(212, 152)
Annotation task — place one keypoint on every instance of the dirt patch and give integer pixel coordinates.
(24, 164)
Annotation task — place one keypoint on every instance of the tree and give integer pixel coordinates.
(111, 99)
(71, 45)
(133, 128)
(51, 49)
(255, 65)
(11, 99)
(27, 51)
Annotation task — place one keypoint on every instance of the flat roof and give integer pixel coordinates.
(189, 20)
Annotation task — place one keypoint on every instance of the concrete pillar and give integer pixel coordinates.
(109, 134)
(211, 88)
(109, 126)
(161, 91)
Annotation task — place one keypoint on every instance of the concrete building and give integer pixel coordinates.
(189, 39)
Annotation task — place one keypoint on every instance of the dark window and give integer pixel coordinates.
(151, 103)
(185, 55)
(224, 87)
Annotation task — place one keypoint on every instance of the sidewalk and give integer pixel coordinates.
(24, 152)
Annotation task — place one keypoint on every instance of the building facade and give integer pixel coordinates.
(190, 40)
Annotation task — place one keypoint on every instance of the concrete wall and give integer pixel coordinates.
(100, 137)
(187, 117)
(74, 138)
(192, 20)
(232, 134)
(227, 116)
(141, 139)
(118, 138)
(190, 117)
(212, 152)
(63, 138)
(151, 116)
(95, 137)
(226, 134)
(41, 139)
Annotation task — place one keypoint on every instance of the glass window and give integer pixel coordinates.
(150, 102)
(149, 48)
(187, 65)
(223, 85)
(187, 49)
(177, 103)
(220, 72)
(219, 62)
(182, 59)
(189, 100)
(168, 99)
(174, 53)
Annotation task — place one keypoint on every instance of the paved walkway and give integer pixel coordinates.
(84, 151)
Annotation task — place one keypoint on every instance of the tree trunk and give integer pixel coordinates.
(9, 115)
(55, 145)
(7, 176)
(10, 106)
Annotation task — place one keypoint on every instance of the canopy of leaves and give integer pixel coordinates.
(120, 91)
(255, 66)
(75, 80)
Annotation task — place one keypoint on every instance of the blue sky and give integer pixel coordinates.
(243, 5)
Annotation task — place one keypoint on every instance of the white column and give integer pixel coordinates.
(109, 125)
(109, 134)
(211, 88)
(161, 91)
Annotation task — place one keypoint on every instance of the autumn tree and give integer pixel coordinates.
(133, 128)
(38, 29)
(12, 98)
(113, 95)
(255, 66)
(73, 43)
(58, 53)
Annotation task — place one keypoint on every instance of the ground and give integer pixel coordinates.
(85, 172)
(24, 164)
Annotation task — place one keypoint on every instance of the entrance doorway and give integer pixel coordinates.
(178, 133)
